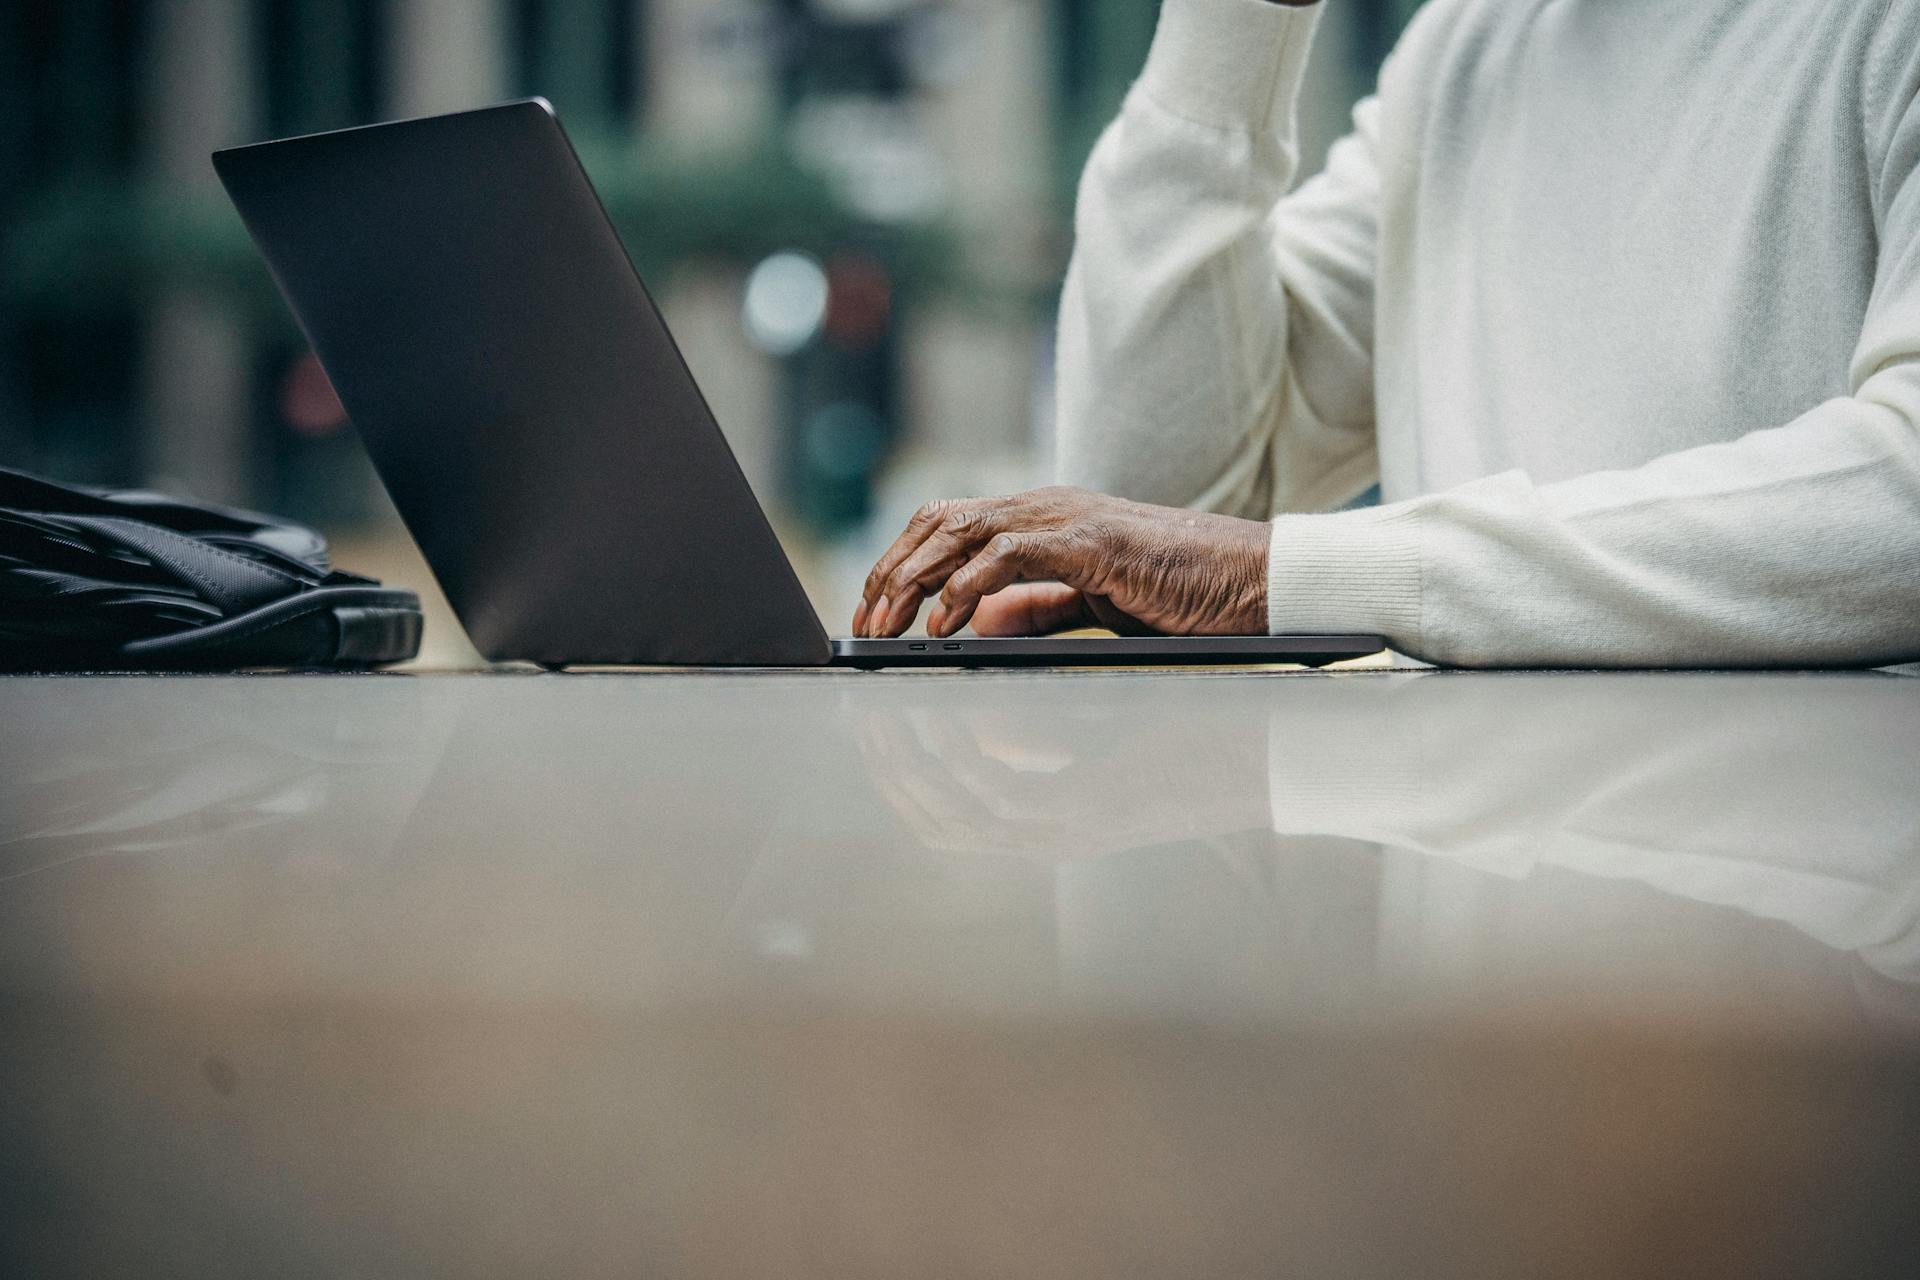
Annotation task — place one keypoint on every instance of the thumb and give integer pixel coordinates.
(1032, 609)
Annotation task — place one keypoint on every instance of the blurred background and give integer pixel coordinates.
(854, 213)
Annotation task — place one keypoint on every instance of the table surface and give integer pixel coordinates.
(840, 974)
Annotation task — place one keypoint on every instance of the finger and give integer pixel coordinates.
(1027, 609)
(1006, 559)
(957, 540)
(924, 522)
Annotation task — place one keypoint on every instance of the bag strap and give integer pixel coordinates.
(27, 492)
(326, 627)
(232, 582)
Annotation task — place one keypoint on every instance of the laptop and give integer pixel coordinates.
(535, 424)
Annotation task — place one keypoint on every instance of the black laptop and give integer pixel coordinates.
(535, 424)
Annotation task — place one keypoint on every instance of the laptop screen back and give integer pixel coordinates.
(520, 395)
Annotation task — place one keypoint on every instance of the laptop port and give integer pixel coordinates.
(918, 648)
(952, 646)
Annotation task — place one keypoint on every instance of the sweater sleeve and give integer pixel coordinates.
(1215, 339)
(1795, 544)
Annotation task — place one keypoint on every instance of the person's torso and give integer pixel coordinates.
(1612, 229)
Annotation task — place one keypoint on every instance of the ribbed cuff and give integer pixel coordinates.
(1230, 63)
(1351, 571)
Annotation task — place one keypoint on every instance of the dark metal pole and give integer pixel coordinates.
(16, 116)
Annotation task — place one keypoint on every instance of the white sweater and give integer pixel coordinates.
(1618, 299)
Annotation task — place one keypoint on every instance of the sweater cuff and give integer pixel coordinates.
(1353, 571)
(1230, 63)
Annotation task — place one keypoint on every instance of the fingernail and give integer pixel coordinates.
(859, 616)
(880, 608)
(937, 621)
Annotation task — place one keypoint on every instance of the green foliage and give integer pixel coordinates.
(670, 206)
(94, 246)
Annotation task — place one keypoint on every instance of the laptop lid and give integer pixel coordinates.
(519, 393)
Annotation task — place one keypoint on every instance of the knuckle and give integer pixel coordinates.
(1004, 546)
(931, 512)
(1091, 533)
(1075, 549)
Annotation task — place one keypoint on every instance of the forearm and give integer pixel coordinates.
(1174, 319)
(1799, 545)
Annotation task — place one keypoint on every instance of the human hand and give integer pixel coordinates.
(1106, 561)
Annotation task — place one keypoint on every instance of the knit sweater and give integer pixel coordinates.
(1618, 300)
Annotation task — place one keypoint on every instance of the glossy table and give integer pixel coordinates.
(1372, 974)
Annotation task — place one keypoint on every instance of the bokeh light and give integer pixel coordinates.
(785, 304)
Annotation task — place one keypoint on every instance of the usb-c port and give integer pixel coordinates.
(918, 648)
(952, 646)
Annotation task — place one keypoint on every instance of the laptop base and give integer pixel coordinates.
(1118, 651)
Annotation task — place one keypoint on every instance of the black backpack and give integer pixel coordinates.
(119, 580)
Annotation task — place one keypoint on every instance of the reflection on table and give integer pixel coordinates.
(1026, 974)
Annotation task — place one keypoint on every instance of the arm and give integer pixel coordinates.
(1799, 545)
(1794, 544)
(1216, 351)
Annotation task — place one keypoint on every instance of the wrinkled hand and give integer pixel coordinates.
(1105, 562)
